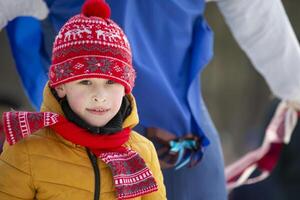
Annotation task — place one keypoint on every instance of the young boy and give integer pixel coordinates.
(81, 145)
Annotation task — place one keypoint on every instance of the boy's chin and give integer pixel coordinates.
(96, 124)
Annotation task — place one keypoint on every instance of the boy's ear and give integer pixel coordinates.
(60, 90)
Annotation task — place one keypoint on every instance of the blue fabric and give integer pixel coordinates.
(161, 35)
(25, 39)
(171, 44)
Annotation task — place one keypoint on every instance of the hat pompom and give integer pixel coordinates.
(96, 8)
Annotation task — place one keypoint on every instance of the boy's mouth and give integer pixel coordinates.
(98, 111)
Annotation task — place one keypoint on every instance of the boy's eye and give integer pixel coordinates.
(85, 82)
(110, 82)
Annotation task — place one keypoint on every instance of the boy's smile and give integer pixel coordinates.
(95, 100)
(98, 111)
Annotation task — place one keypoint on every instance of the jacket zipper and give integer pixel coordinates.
(94, 161)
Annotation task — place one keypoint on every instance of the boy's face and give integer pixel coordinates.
(95, 100)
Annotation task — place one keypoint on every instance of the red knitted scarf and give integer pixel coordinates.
(131, 176)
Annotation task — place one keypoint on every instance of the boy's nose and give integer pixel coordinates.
(99, 94)
(99, 99)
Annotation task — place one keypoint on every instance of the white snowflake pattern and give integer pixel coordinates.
(78, 65)
(117, 68)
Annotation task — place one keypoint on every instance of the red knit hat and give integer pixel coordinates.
(90, 45)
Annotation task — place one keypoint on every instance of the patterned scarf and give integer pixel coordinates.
(264, 158)
(132, 178)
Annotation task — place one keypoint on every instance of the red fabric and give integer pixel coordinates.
(18, 125)
(92, 47)
(97, 8)
(132, 179)
(266, 163)
(264, 158)
(96, 143)
(269, 161)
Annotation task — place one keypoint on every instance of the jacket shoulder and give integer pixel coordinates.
(38, 143)
(135, 137)
(16, 155)
(143, 146)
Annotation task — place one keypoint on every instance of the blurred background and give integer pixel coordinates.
(236, 95)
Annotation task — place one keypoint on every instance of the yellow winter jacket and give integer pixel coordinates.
(46, 166)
